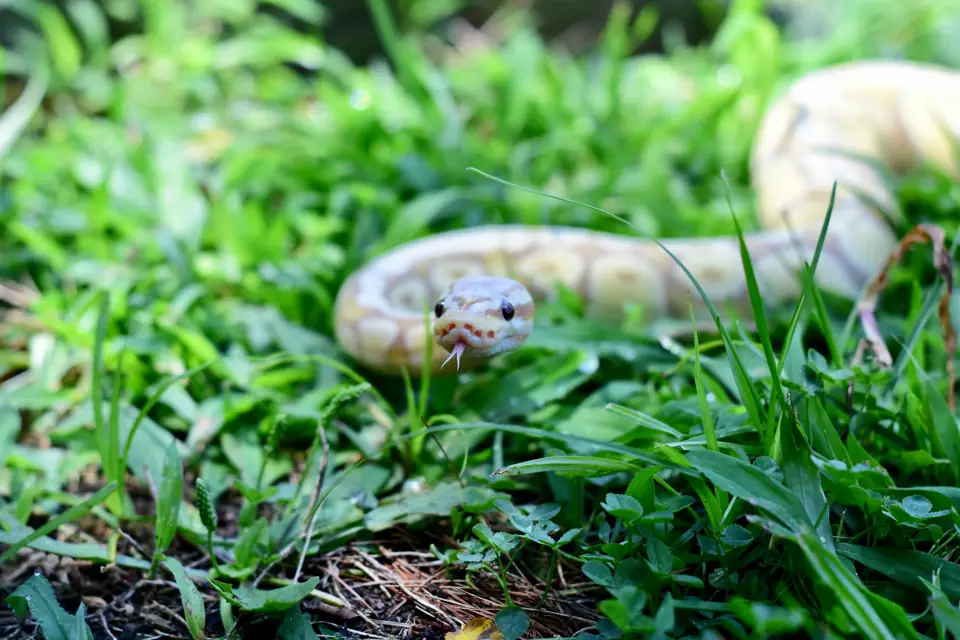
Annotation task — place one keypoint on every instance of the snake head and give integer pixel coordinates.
(481, 316)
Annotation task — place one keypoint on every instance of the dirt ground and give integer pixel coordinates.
(388, 588)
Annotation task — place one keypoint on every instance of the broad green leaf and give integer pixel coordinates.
(876, 618)
(266, 600)
(598, 572)
(906, 566)
(73, 513)
(169, 497)
(245, 546)
(802, 477)
(513, 622)
(36, 597)
(751, 485)
(80, 631)
(193, 608)
(944, 429)
(439, 501)
(571, 465)
(947, 615)
(296, 626)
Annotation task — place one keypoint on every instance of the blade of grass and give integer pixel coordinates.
(111, 459)
(568, 439)
(906, 566)
(574, 465)
(97, 377)
(810, 289)
(876, 617)
(709, 428)
(73, 513)
(169, 497)
(193, 609)
(152, 400)
(760, 316)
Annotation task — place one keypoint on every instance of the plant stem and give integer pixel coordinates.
(213, 556)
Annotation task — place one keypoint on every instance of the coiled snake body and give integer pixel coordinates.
(481, 282)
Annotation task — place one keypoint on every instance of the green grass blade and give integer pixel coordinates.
(71, 514)
(760, 316)
(573, 465)
(169, 499)
(151, 401)
(100, 426)
(810, 290)
(751, 485)
(709, 428)
(193, 608)
(910, 568)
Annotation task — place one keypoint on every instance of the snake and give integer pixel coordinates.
(836, 133)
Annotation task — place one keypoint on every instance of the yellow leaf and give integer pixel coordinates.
(476, 629)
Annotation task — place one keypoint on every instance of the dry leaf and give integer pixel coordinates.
(476, 629)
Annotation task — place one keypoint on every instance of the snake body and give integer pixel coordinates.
(848, 123)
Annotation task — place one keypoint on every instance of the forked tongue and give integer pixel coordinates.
(456, 351)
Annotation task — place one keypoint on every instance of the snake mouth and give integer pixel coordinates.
(450, 334)
(460, 340)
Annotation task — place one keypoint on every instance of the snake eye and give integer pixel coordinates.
(507, 310)
(438, 309)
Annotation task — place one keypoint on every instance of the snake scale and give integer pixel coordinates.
(481, 282)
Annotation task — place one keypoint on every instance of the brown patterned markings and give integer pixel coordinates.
(348, 338)
(861, 190)
(837, 274)
(617, 279)
(776, 271)
(407, 292)
(781, 124)
(862, 238)
(447, 271)
(541, 269)
(497, 263)
(709, 261)
(414, 337)
(348, 311)
(377, 336)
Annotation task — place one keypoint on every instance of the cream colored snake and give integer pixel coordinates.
(847, 123)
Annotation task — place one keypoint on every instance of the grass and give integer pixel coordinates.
(185, 451)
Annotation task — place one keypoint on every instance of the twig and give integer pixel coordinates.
(288, 549)
(866, 308)
(321, 432)
(342, 583)
(370, 574)
(433, 608)
(132, 542)
(453, 467)
(106, 626)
